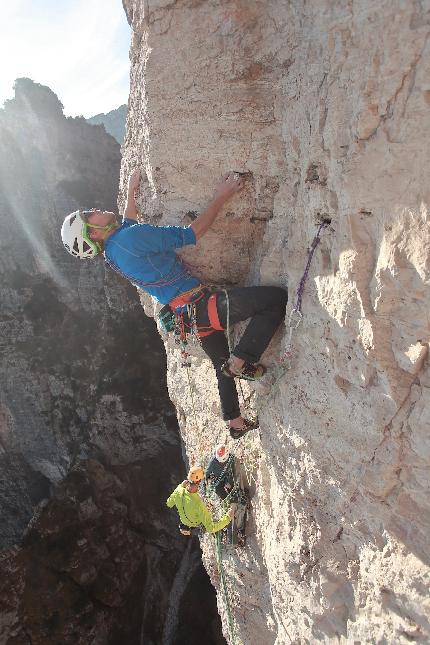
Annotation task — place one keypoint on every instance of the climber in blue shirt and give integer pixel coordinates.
(146, 256)
(163, 274)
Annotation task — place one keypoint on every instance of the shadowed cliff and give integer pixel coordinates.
(89, 446)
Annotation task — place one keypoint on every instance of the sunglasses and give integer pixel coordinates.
(95, 246)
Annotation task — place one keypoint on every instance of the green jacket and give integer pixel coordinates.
(192, 510)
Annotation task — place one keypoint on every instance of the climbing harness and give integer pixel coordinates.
(180, 317)
(166, 319)
(296, 315)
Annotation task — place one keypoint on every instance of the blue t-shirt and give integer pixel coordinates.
(145, 255)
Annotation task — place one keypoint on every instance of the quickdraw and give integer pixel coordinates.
(182, 331)
(296, 315)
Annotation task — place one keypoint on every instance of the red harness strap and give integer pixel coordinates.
(213, 314)
(193, 296)
(187, 297)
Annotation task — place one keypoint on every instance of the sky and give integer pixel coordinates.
(78, 48)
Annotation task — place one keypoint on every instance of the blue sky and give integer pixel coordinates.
(78, 48)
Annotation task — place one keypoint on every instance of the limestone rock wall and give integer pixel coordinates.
(326, 105)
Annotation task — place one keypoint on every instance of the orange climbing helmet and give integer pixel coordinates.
(195, 474)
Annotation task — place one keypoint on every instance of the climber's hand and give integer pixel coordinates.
(230, 512)
(134, 181)
(131, 211)
(230, 184)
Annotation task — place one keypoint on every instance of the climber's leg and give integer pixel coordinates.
(216, 347)
(265, 306)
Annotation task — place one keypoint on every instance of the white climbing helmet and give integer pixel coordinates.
(76, 240)
(222, 453)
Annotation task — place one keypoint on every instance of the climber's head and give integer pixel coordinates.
(222, 453)
(194, 478)
(83, 232)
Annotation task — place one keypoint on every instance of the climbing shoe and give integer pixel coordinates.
(248, 371)
(237, 433)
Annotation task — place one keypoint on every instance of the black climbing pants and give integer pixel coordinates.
(265, 307)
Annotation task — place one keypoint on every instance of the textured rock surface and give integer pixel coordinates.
(89, 444)
(327, 106)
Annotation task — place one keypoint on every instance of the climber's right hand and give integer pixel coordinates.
(230, 184)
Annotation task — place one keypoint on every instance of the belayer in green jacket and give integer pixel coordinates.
(192, 509)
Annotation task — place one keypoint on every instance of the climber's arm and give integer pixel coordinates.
(208, 522)
(131, 211)
(231, 184)
(171, 501)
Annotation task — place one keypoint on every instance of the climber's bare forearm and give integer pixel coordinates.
(205, 220)
(131, 211)
(230, 185)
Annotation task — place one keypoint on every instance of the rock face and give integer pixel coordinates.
(113, 122)
(326, 106)
(89, 444)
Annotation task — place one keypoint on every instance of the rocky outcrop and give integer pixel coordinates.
(113, 122)
(88, 553)
(326, 106)
(89, 445)
(74, 381)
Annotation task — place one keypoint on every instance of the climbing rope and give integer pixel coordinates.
(296, 315)
(235, 495)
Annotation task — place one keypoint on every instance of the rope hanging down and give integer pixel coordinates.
(296, 315)
(213, 499)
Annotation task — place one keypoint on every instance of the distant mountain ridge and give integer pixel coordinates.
(113, 121)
